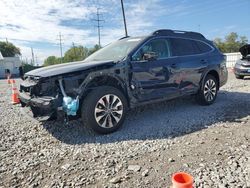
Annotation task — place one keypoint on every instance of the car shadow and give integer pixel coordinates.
(158, 121)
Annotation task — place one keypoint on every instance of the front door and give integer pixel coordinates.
(153, 70)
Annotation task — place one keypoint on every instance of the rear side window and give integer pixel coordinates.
(203, 47)
(182, 47)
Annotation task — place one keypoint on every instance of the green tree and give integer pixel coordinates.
(243, 40)
(231, 43)
(28, 67)
(75, 53)
(51, 60)
(9, 50)
(94, 49)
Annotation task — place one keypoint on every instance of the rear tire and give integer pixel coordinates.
(104, 109)
(208, 91)
(239, 76)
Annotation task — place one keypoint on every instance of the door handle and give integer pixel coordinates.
(203, 61)
(174, 65)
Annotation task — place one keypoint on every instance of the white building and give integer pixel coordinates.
(231, 58)
(11, 63)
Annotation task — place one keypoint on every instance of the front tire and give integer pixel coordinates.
(208, 91)
(104, 109)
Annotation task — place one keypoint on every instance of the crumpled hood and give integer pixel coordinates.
(64, 68)
(245, 50)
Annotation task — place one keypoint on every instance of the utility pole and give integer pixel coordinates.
(60, 43)
(6, 40)
(32, 55)
(124, 19)
(98, 20)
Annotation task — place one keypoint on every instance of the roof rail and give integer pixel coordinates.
(169, 32)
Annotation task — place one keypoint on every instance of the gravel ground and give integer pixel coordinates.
(210, 142)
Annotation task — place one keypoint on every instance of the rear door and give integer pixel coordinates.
(192, 63)
(153, 78)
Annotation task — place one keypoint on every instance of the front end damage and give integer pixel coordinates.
(44, 97)
(48, 92)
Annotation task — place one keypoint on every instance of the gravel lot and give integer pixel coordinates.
(210, 142)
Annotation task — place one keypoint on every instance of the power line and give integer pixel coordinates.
(124, 19)
(98, 20)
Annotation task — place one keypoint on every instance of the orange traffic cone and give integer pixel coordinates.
(182, 180)
(8, 79)
(14, 97)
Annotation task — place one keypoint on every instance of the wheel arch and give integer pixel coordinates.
(104, 80)
(214, 73)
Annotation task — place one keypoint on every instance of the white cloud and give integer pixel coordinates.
(39, 55)
(40, 21)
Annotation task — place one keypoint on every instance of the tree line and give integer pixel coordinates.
(231, 43)
(8, 49)
(75, 53)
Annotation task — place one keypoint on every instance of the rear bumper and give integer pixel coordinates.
(42, 107)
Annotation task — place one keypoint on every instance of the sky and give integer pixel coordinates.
(37, 23)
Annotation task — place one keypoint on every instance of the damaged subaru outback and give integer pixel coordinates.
(130, 72)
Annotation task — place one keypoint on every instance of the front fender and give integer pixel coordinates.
(115, 74)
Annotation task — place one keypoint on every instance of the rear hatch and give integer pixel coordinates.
(245, 52)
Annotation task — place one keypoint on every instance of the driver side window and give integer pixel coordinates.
(159, 47)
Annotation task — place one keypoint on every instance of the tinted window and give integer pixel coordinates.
(181, 47)
(158, 46)
(203, 47)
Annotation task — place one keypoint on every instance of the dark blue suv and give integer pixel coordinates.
(127, 73)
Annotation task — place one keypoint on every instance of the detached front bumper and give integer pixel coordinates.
(42, 108)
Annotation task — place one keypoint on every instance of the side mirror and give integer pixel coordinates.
(150, 56)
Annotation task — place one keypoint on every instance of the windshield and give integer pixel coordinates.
(116, 50)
